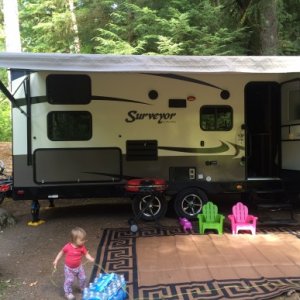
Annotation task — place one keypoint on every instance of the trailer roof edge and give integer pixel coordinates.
(146, 63)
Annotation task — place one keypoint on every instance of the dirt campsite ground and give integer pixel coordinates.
(26, 253)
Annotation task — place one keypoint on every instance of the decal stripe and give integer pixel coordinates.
(185, 78)
(34, 100)
(238, 148)
(43, 99)
(105, 98)
(220, 149)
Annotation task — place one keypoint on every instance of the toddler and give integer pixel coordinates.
(73, 252)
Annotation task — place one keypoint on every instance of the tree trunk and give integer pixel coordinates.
(269, 28)
(74, 27)
(11, 26)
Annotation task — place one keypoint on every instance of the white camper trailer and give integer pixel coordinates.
(84, 124)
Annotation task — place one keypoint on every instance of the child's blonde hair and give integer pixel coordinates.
(76, 233)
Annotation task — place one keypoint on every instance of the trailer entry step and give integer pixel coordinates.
(275, 206)
(279, 222)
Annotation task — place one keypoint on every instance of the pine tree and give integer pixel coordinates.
(169, 27)
(273, 25)
(47, 26)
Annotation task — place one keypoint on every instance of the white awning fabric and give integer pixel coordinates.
(147, 63)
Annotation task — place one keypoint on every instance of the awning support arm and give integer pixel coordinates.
(21, 83)
(11, 98)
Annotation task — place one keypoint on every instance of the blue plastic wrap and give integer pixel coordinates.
(106, 287)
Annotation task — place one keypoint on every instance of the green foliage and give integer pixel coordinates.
(169, 27)
(91, 16)
(6, 286)
(110, 42)
(5, 120)
(5, 111)
(289, 27)
(252, 14)
(173, 27)
(45, 26)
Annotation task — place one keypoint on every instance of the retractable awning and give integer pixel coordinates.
(147, 63)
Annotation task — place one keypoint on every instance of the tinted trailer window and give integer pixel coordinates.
(69, 125)
(68, 89)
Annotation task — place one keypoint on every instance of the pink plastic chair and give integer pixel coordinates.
(240, 220)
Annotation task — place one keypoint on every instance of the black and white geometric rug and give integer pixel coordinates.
(166, 263)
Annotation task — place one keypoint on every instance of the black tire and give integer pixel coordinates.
(2, 196)
(189, 203)
(158, 208)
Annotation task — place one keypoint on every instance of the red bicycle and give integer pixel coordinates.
(5, 183)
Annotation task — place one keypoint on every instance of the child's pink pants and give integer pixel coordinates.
(70, 274)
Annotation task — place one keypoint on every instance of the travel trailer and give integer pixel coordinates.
(85, 124)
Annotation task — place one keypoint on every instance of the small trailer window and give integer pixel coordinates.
(294, 105)
(216, 118)
(69, 125)
(68, 89)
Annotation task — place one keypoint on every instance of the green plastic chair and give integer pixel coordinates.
(210, 218)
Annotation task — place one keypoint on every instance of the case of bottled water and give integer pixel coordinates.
(106, 287)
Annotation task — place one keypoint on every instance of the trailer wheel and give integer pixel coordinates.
(149, 211)
(189, 203)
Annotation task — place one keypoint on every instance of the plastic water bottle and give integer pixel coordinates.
(104, 296)
(109, 293)
(85, 295)
(106, 287)
(122, 294)
(98, 287)
(91, 287)
(94, 296)
(99, 278)
(116, 282)
(114, 291)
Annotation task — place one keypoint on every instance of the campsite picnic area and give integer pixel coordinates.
(165, 260)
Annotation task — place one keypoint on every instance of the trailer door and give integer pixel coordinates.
(262, 119)
(290, 126)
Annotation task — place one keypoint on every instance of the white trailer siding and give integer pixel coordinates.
(110, 128)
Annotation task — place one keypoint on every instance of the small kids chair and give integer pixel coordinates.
(210, 218)
(240, 220)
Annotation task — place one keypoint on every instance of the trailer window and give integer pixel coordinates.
(68, 89)
(294, 105)
(216, 118)
(69, 125)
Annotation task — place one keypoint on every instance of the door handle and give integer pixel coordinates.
(211, 162)
(249, 154)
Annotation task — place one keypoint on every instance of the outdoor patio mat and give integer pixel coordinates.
(169, 264)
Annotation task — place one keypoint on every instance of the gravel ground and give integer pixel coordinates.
(27, 252)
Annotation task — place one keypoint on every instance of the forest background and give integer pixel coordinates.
(154, 27)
